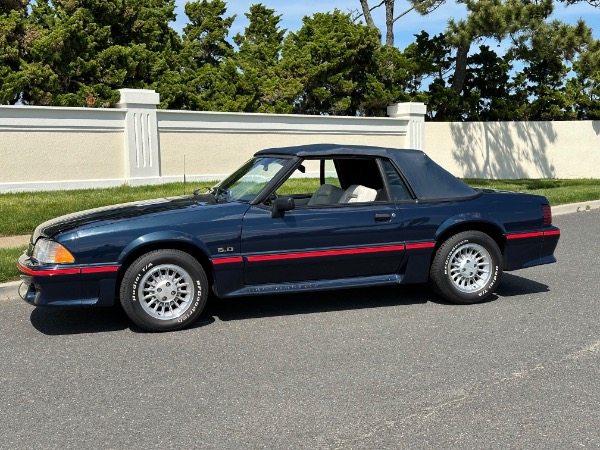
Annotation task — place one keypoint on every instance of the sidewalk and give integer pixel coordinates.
(8, 289)
(14, 241)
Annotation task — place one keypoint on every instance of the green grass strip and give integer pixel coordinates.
(22, 212)
(8, 263)
(558, 191)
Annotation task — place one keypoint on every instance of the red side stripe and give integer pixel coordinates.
(534, 234)
(354, 251)
(66, 271)
(551, 233)
(420, 245)
(236, 259)
(48, 272)
(525, 235)
(100, 269)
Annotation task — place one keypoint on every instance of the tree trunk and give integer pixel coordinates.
(368, 17)
(460, 70)
(389, 23)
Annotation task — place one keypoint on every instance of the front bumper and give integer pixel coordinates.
(62, 285)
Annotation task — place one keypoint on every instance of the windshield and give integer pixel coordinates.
(245, 184)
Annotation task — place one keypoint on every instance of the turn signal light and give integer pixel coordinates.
(62, 255)
(51, 252)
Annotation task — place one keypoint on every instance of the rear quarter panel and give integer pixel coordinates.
(496, 213)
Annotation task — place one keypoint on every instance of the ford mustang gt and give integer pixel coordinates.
(292, 219)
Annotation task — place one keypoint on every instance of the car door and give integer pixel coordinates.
(318, 242)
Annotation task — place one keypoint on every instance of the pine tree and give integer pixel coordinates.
(546, 56)
(332, 57)
(209, 74)
(13, 50)
(264, 83)
(83, 51)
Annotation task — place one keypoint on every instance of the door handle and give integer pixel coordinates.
(383, 217)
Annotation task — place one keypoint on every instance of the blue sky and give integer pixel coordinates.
(409, 25)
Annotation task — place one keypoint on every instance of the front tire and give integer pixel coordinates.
(164, 290)
(466, 268)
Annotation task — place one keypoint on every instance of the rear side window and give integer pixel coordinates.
(359, 171)
(398, 188)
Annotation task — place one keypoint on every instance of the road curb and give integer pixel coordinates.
(9, 290)
(575, 207)
(12, 287)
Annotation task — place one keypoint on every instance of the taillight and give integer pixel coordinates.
(547, 214)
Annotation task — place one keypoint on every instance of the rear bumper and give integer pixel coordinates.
(530, 249)
(67, 286)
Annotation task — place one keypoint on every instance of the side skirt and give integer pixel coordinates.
(318, 285)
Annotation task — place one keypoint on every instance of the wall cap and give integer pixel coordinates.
(412, 110)
(142, 98)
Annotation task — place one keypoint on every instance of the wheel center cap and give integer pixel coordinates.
(468, 269)
(166, 291)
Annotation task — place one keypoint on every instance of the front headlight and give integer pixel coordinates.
(51, 252)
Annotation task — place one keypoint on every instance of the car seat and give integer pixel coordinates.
(358, 194)
(326, 195)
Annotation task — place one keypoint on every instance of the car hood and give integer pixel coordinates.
(118, 212)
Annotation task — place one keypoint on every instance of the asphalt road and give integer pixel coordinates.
(362, 369)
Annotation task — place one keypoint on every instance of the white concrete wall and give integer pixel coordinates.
(44, 148)
(63, 148)
(515, 150)
(214, 144)
(50, 148)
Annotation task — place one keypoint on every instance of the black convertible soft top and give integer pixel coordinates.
(428, 180)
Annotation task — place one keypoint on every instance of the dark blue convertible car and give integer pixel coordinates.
(292, 219)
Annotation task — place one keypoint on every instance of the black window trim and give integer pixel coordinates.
(411, 193)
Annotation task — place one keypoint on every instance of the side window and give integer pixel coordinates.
(340, 181)
(398, 189)
(301, 182)
(361, 179)
(305, 183)
(330, 172)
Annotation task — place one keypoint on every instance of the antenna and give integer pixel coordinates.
(183, 174)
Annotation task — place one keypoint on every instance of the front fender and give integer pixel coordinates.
(164, 238)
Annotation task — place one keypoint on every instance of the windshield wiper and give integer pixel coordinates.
(212, 194)
(220, 194)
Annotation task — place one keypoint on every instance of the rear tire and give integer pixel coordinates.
(164, 290)
(466, 268)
